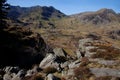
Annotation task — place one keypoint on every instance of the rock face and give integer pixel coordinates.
(21, 46)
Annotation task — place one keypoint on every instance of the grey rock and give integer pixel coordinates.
(104, 62)
(70, 72)
(47, 61)
(59, 52)
(107, 62)
(7, 76)
(78, 54)
(19, 75)
(7, 69)
(98, 72)
(74, 64)
(88, 53)
(52, 77)
(65, 64)
(83, 41)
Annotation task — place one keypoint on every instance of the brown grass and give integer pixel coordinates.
(49, 70)
(103, 78)
(93, 50)
(84, 62)
(82, 73)
(108, 53)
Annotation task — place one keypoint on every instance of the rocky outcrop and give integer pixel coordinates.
(20, 46)
(54, 60)
(115, 34)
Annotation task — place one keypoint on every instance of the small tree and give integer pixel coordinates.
(4, 7)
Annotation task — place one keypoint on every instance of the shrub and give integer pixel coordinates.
(93, 50)
(84, 61)
(82, 73)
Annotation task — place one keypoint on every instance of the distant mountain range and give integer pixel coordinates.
(37, 15)
(49, 17)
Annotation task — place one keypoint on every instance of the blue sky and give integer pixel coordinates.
(71, 6)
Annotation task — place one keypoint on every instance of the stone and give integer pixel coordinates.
(7, 69)
(74, 64)
(7, 76)
(52, 77)
(47, 61)
(59, 52)
(98, 72)
(78, 54)
(70, 72)
(107, 62)
(65, 64)
(19, 75)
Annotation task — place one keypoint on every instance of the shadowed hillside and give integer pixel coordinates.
(37, 16)
(21, 46)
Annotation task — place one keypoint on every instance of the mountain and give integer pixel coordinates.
(36, 15)
(49, 17)
(102, 16)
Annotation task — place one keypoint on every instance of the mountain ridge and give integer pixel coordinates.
(98, 17)
(49, 17)
(36, 15)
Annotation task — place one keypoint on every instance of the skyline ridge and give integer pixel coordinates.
(69, 6)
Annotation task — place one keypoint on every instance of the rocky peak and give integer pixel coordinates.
(102, 16)
(106, 11)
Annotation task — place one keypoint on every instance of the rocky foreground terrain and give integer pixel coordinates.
(95, 59)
